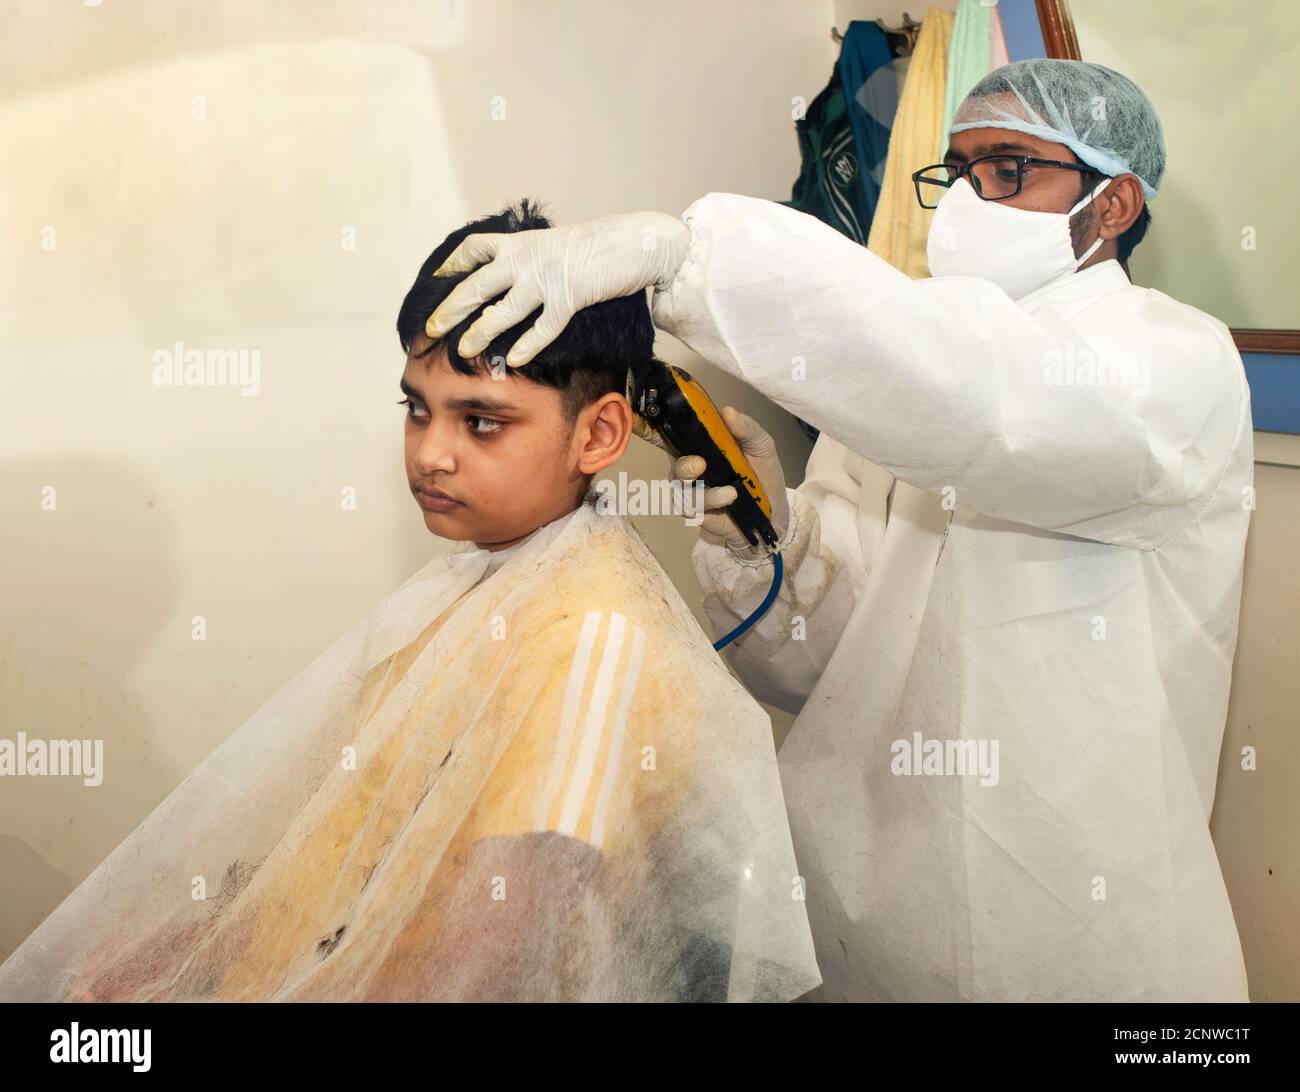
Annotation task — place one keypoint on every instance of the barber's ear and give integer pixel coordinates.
(1120, 204)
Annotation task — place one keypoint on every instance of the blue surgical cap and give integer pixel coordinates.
(1101, 116)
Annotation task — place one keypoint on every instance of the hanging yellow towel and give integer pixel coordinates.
(899, 227)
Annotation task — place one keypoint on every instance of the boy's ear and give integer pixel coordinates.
(603, 429)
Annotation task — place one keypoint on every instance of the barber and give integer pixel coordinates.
(1013, 570)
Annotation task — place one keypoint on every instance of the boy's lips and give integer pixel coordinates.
(435, 500)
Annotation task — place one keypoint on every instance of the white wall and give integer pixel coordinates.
(1256, 810)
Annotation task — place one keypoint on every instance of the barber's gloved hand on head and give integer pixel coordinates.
(562, 270)
(760, 449)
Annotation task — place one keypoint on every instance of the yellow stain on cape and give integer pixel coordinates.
(354, 900)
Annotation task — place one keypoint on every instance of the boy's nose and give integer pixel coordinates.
(436, 452)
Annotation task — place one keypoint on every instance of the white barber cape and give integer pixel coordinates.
(521, 777)
(1009, 612)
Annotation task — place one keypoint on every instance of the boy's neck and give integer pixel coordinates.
(494, 547)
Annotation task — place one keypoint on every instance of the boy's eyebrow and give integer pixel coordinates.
(479, 402)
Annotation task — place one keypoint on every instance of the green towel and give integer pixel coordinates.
(969, 58)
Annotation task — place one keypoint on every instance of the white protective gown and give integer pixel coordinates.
(1074, 605)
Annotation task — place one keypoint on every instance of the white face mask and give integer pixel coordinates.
(1016, 249)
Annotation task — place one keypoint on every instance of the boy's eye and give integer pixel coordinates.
(493, 425)
(411, 407)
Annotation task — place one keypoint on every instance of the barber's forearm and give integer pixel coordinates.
(781, 657)
(829, 331)
(942, 381)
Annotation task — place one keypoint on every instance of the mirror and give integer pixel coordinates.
(1224, 233)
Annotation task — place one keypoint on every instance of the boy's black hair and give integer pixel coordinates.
(591, 356)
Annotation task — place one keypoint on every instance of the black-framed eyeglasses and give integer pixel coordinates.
(993, 177)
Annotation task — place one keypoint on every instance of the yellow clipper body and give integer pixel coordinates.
(671, 402)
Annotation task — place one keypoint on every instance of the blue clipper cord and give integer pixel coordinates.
(777, 569)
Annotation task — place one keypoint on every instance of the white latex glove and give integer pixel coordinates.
(562, 270)
(760, 449)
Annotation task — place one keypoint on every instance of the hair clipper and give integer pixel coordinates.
(671, 402)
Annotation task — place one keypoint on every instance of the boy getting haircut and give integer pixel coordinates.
(525, 775)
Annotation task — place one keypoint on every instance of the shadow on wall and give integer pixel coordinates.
(33, 887)
(66, 676)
